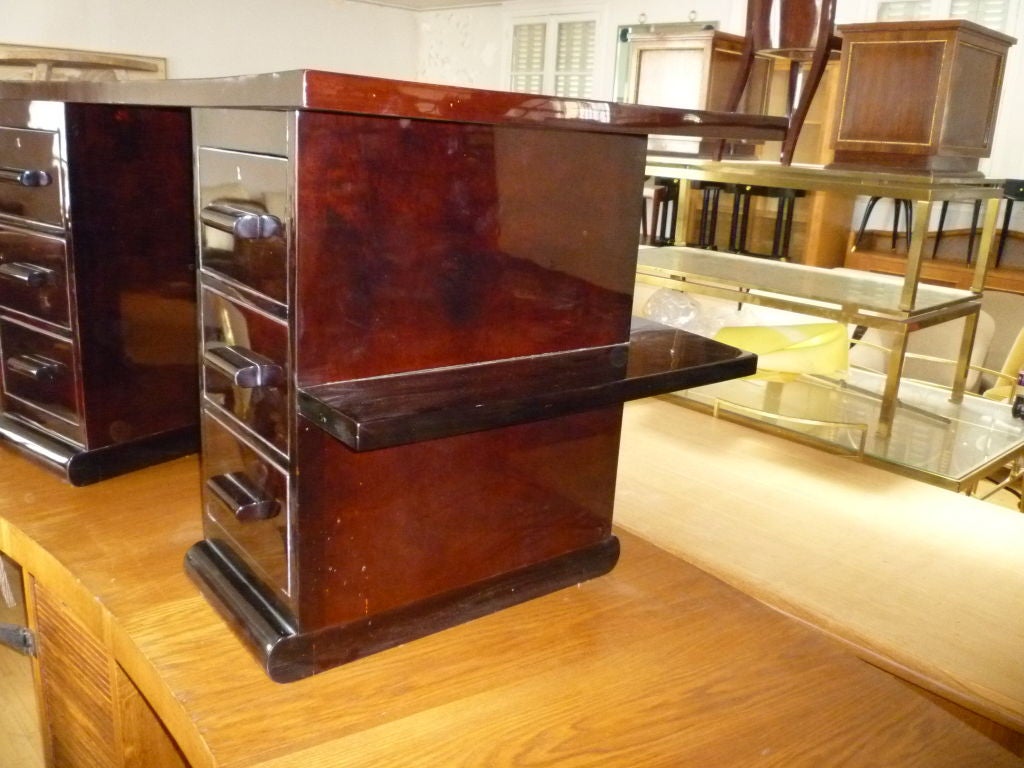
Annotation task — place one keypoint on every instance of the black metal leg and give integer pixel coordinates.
(864, 221)
(942, 223)
(974, 230)
(1006, 228)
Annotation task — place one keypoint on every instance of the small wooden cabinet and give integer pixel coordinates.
(688, 66)
(918, 95)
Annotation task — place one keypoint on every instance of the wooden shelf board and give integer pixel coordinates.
(384, 411)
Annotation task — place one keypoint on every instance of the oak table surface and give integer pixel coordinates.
(926, 581)
(656, 664)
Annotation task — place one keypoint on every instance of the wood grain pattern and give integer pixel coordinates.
(656, 664)
(921, 580)
(337, 92)
(76, 687)
(946, 121)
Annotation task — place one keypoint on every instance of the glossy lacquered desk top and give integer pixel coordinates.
(656, 664)
(358, 94)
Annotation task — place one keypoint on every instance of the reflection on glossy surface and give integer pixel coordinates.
(261, 408)
(398, 525)
(262, 543)
(429, 244)
(838, 287)
(236, 187)
(947, 443)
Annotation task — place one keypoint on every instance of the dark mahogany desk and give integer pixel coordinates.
(414, 304)
(655, 664)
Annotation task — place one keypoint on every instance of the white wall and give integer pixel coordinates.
(465, 47)
(209, 38)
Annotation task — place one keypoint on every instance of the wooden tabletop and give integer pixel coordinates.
(305, 89)
(656, 664)
(922, 580)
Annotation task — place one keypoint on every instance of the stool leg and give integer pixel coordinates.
(942, 223)
(783, 222)
(974, 229)
(898, 206)
(673, 199)
(1002, 235)
(657, 204)
(864, 221)
(737, 214)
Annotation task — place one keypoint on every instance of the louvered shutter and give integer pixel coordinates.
(528, 47)
(574, 67)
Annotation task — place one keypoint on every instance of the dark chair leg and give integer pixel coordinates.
(758, 18)
(1006, 227)
(783, 226)
(974, 230)
(643, 220)
(708, 232)
(825, 44)
(872, 201)
(896, 223)
(942, 223)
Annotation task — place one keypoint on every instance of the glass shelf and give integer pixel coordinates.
(850, 291)
(949, 444)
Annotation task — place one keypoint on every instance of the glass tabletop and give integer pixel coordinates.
(945, 443)
(864, 291)
(895, 183)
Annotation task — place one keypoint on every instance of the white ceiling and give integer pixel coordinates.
(430, 5)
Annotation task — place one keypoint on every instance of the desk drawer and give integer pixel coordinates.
(30, 180)
(245, 499)
(40, 378)
(33, 275)
(245, 366)
(245, 213)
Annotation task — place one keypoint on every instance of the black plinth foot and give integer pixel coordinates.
(286, 653)
(82, 467)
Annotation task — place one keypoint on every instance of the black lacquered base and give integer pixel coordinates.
(287, 654)
(81, 467)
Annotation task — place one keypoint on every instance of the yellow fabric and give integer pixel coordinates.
(789, 350)
(1013, 364)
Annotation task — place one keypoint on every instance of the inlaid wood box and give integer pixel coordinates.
(918, 95)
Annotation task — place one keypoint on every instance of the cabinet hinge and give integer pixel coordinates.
(19, 638)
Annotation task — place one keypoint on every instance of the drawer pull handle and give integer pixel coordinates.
(245, 368)
(244, 221)
(35, 367)
(25, 177)
(31, 275)
(242, 497)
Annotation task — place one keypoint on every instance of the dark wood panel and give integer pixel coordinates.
(134, 260)
(422, 245)
(385, 528)
(392, 410)
(942, 122)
